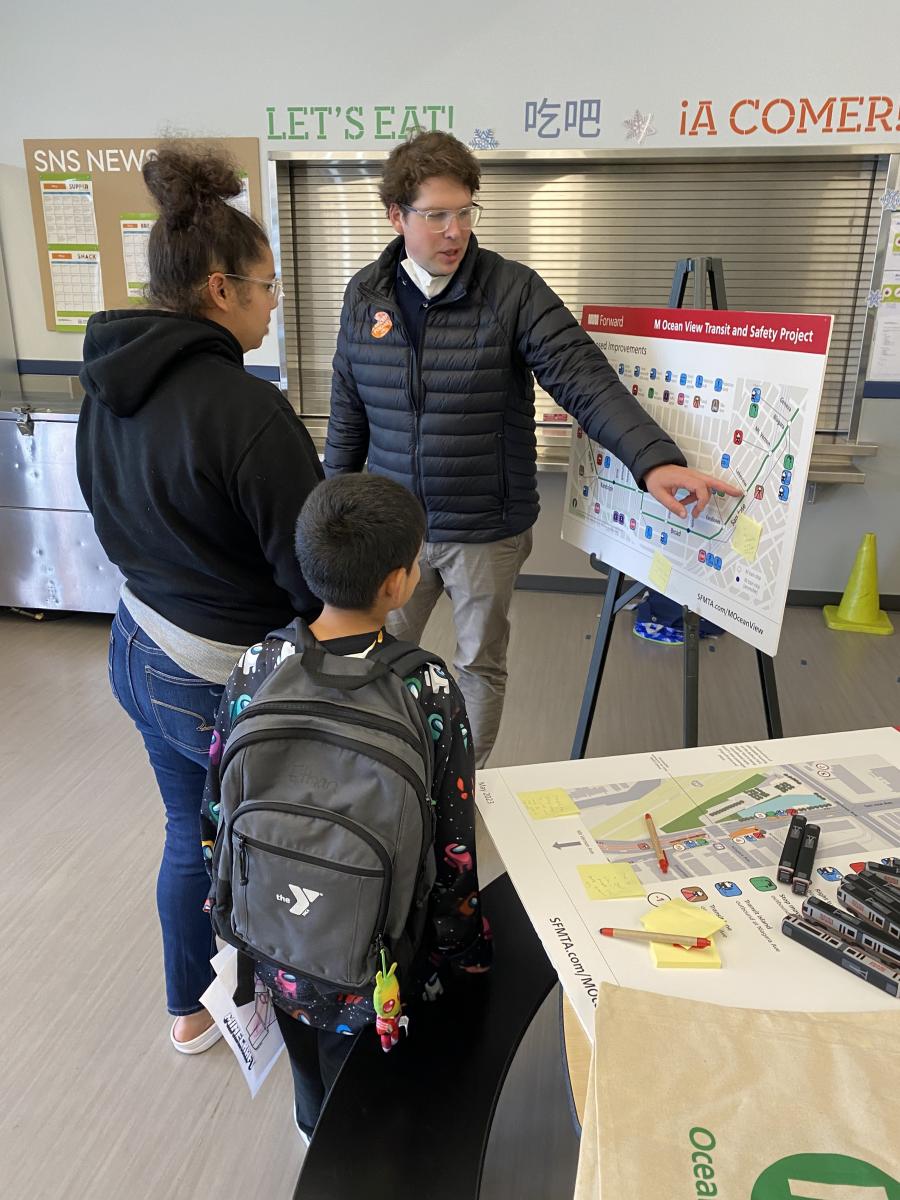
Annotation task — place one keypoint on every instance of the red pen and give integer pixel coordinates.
(657, 845)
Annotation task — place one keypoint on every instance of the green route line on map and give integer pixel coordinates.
(774, 466)
(711, 537)
(707, 537)
(614, 482)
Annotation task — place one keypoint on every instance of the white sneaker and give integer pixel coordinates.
(196, 1045)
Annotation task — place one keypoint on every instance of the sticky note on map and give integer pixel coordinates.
(660, 570)
(549, 802)
(746, 537)
(676, 956)
(610, 881)
(678, 916)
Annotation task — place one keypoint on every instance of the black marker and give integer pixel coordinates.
(850, 957)
(805, 859)
(791, 849)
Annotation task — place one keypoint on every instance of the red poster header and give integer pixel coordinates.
(769, 331)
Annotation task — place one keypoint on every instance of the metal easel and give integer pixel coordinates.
(707, 273)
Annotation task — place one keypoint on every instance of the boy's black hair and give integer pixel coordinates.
(353, 530)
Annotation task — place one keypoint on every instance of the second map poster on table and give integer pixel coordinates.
(739, 392)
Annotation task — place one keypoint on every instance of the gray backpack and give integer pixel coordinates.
(324, 850)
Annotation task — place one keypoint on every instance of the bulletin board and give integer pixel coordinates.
(93, 216)
(884, 356)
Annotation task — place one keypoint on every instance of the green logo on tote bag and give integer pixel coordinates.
(824, 1177)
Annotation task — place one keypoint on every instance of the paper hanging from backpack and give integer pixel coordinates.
(251, 1030)
(692, 1099)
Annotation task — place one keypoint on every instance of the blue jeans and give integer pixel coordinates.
(175, 713)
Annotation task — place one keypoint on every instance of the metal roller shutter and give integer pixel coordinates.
(795, 235)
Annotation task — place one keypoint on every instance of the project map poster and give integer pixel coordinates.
(739, 392)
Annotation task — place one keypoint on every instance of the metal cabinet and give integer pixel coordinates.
(50, 557)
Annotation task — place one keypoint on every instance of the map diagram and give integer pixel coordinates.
(744, 414)
(574, 839)
(728, 821)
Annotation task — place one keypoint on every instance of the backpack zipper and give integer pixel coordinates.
(282, 851)
(383, 756)
(320, 814)
(335, 739)
(285, 708)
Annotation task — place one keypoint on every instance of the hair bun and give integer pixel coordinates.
(186, 179)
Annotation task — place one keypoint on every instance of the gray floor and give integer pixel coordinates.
(95, 1103)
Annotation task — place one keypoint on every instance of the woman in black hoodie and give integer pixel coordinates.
(194, 472)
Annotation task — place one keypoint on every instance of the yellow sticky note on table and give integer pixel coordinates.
(746, 537)
(677, 956)
(549, 802)
(610, 881)
(660, 570)
(678, 916)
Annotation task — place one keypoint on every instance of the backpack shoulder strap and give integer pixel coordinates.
(246, 980)
(297, 633)
(402, 658)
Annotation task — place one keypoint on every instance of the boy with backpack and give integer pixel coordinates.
(338, 816)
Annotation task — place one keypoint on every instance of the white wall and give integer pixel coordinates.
(832, 527)
(214, 68)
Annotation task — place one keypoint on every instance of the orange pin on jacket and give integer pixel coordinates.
(450, 413)
(383, 324)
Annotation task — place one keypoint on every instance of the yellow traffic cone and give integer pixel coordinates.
(858, 611)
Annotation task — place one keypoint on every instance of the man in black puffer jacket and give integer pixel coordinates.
(438, 343)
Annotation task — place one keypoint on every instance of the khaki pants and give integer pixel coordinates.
(479, 578)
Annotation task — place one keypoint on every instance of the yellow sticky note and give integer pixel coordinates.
(660, 570)
(610, 881)
(746, 537)
(549, 802)
(677, 956)
(678, 916)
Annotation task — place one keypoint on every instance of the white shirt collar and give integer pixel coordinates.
(429, 285)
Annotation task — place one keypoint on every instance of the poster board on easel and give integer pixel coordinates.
(747, 532)
(92, 217)
(739, 393)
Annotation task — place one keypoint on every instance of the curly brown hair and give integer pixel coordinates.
(197, 231)
(423, 157)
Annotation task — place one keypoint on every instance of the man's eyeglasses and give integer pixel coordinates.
(273, 286)
(438, 220)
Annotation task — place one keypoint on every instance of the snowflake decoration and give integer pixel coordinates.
(483, 139)
(873, 299)
(891, 200)
(639, 126)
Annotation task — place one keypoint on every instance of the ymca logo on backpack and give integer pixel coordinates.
(323, 856)
(305, 898)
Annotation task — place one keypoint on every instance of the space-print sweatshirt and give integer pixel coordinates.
(456, 939)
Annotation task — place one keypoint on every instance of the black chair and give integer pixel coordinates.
(415, 1122)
